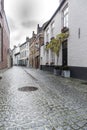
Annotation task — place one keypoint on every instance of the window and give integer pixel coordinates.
(47, 35)
(52, 29)
(65, 17)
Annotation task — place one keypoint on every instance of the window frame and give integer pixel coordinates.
(65, 12)
(52, 29)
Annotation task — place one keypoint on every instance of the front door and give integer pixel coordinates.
(64, 53)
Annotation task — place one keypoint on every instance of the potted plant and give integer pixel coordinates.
(65, 71)
(57, 70)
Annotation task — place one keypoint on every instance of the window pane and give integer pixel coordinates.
(65, 15)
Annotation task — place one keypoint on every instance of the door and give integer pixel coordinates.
(64, 53)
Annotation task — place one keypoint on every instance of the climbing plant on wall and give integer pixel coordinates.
(55, 43)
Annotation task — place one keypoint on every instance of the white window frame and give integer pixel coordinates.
(52, 29)
(65, 16)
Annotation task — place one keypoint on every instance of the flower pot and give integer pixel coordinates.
(57, 72)
(65, 73)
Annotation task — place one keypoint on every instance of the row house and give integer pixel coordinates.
(4, 38)
(36, 42)
(69, 26)
(16, 55)
(32, 49)
(24, 53)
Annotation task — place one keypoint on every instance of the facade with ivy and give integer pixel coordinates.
(65, 39)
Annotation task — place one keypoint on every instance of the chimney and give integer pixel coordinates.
(27, 39)
(38, 28)
(33, 34)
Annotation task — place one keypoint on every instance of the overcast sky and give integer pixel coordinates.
(24, 15)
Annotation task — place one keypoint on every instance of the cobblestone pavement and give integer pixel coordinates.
(58, 104)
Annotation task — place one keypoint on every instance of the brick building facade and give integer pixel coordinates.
(32, 50)
(4, 37)
(36, 42)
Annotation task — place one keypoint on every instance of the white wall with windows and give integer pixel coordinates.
(16, 55)
(55, 27)
(71, 15)
(24, 54)
(77, 42)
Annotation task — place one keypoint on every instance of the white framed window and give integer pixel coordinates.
(47, 35)
(65, 16)
(52, 29)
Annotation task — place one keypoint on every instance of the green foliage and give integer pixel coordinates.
(55, 43)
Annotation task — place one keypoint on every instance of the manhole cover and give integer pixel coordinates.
(27, 88)
(0, 77)
(85, 83)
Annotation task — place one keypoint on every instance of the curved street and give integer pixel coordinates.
(55, 103)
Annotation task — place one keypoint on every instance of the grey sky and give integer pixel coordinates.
(24, 15)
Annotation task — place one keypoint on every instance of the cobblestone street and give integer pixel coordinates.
(57, 104)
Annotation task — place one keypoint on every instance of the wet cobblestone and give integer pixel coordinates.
(58, 104)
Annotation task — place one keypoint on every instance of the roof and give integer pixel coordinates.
(61, 4)
(23, 44)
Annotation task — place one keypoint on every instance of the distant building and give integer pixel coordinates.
(24, 53)
(32, 49)
(39, 41)
(4, 37)
(36, 42)
(16, 55)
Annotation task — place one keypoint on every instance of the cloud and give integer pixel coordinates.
(12, 24)
(29, 24)
(24, 15)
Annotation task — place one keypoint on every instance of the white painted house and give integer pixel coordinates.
(16, 55)
(72, 15)
(24, 53)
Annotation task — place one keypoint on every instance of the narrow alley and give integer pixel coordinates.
(38, 100)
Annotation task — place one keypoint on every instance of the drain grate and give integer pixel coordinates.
(28, 88)
(0, 77)
(84, 83)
